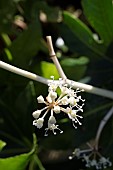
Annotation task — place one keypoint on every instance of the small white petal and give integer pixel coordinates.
(38, 123)
(64, 90)
(73, 114)
(56, 109)
(68, 110)
(36, 114)
(51, 96)
(72, 101)
(52, 85)
(51, 120)
(77, 152)
(103, 160)
(40, 99)
(64, 100)
(49, 99)
(93, 162)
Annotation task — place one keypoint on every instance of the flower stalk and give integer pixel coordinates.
(91, 156)
(101, 126)
(54, 58)
(35, 77)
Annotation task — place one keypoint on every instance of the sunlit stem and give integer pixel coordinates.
(22, 72)
(32, 76)
(54, 58)
(91, 89)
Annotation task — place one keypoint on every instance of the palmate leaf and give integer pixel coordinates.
(81, 38)
(100, 16)
(18, 162)
(15, 163)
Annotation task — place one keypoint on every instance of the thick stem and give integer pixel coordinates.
(101, 126)
(22, 72)
(90, 89)
(32, 76)
(54, 58)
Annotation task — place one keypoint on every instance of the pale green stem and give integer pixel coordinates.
(23, 73)
(54, 58)
(90, 89)
(101, 126)
(37, 160)
(32, 76)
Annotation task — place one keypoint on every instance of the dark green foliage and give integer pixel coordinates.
(83, 57)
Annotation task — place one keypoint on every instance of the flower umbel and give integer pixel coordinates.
(68, 102)
(92, 158)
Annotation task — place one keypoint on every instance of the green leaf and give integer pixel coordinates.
(19, 162)
(7, 10)
(75, 61)
(100, 16)
(2, 144)
(26, 45)
(49, 69)
(82, 39)
(16, 162)
(75, 67)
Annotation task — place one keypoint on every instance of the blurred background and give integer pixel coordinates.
(82, 34)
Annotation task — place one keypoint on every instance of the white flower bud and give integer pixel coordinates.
(93, 162)
(72, 101)
(38, 123)
(40, 99)
(48, 98)
(64, 90)
(56, 109)
(64, 100)
(51, 120)
(86, 158)
(71, 93)
(52, 87)
(102, 159)
(36, 114)
(73, 113)
(53, 95)
(68, 110)
(77, 152)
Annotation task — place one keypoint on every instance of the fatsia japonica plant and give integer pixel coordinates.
(61, 104)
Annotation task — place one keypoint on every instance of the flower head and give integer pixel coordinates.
(92, 158)
(68, 102)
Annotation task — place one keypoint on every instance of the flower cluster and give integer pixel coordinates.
(68, 102)
(92, 158)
